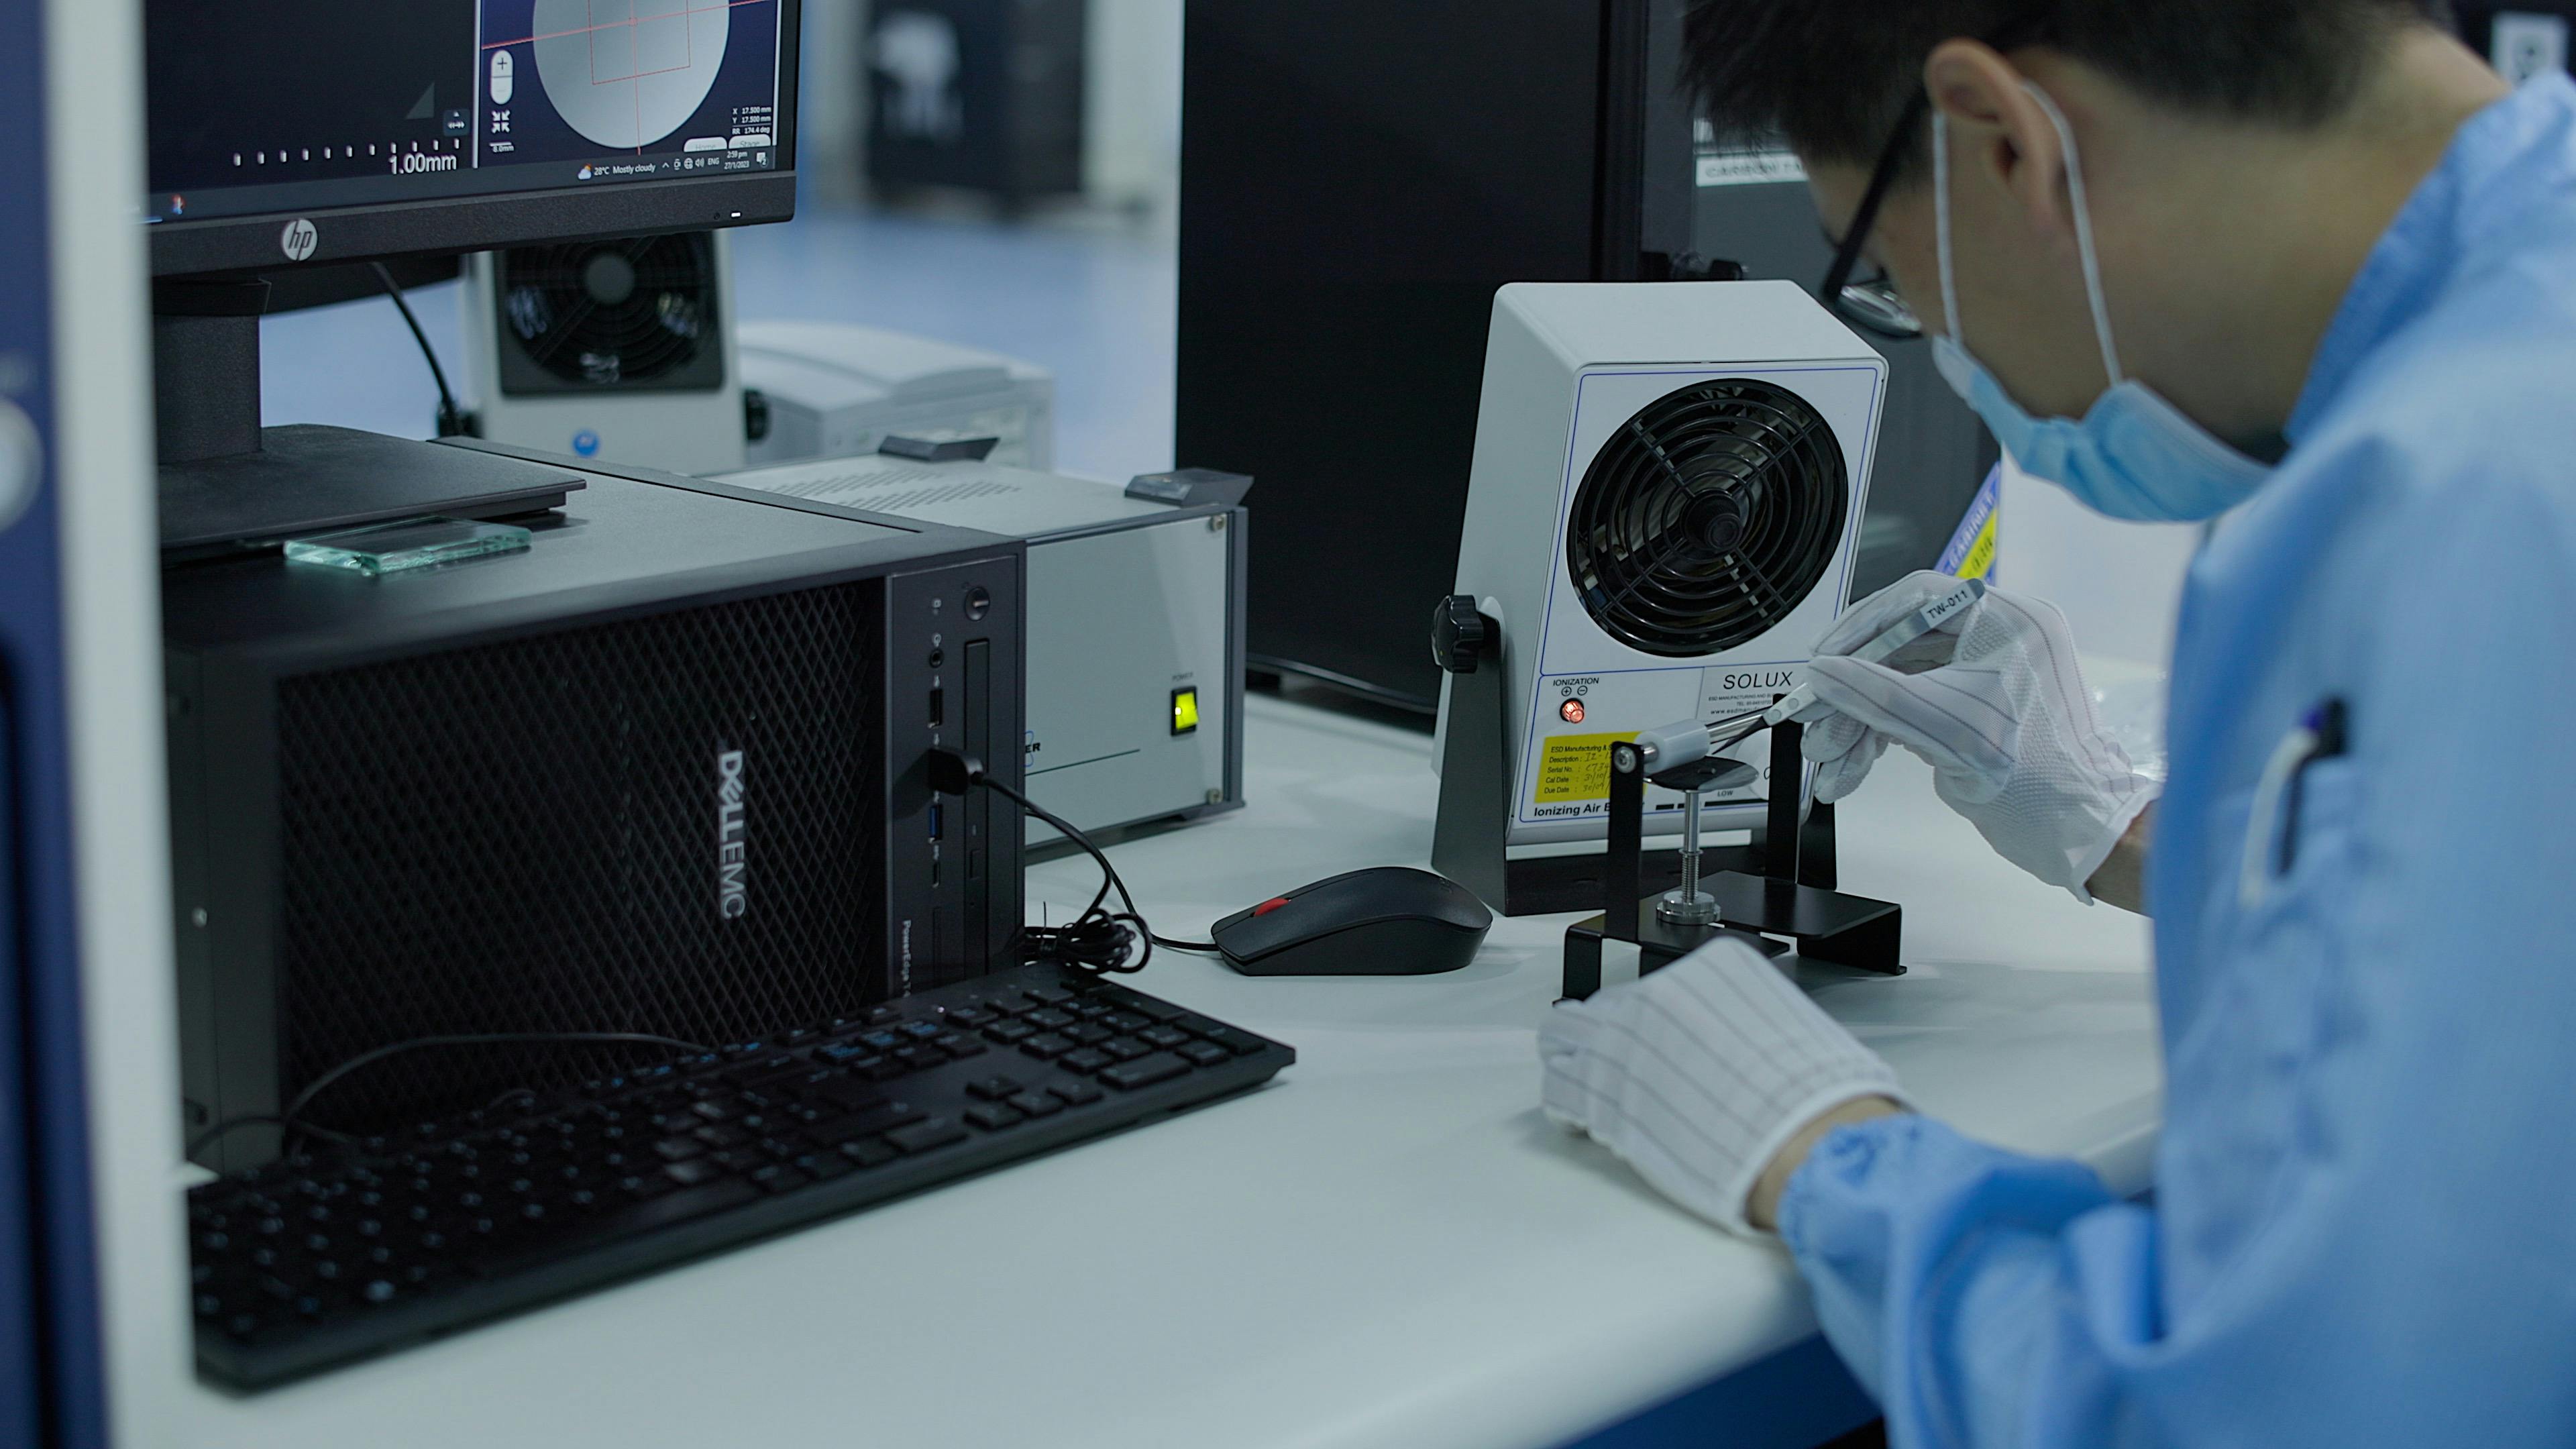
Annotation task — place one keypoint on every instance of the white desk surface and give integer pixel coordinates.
(1388, 1246)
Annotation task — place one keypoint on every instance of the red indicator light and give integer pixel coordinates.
(1266, 907)
(1573, 711)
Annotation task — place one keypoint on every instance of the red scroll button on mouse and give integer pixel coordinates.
(1266, 907)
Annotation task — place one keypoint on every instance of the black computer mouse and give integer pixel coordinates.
(1386, 922)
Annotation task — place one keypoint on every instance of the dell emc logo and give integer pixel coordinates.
(299, 239)
(733, 894)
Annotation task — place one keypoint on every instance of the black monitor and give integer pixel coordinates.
(290, 139)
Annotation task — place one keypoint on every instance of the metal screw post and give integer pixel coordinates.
(1689, 906)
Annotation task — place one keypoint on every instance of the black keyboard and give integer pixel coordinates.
(317, 1259)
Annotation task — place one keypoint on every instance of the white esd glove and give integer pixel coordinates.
(1698, 1075)
(1994, 701)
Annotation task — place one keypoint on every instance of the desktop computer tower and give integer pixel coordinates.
(662, 772)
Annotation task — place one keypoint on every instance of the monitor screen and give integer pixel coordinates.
(307, 111)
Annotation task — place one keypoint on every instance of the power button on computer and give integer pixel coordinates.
(979, 602)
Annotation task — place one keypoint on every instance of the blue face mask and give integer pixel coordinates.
(2135, 455)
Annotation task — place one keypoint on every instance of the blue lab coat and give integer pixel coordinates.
(2364, 1231)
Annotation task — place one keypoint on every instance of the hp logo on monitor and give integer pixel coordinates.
(299, 239)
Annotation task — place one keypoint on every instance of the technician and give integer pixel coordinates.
(2311, 265)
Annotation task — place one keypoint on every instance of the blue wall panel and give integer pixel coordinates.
(50, 1374)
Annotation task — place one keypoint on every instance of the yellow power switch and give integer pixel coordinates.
(1185, 711)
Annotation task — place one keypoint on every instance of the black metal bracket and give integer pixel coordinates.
(1788, 900)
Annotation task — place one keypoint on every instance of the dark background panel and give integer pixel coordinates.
(296, 74)
(1358, 178)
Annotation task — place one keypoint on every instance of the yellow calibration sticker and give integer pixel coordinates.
(1575, 768)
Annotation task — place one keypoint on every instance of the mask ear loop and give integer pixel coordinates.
(1941, 225)
(2083, 233)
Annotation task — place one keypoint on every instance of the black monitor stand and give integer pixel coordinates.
(229, 484)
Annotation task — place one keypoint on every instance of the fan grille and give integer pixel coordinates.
(1708, 518)
(612, 312)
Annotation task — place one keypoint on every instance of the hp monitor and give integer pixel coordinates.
(291, 139)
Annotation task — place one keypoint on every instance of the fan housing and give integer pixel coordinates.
(1708, 518)
(631, 313)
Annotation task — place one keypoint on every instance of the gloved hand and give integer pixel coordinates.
(1698, 1075)
(1995, 703)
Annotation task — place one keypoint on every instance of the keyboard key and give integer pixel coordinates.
(969, 1016)
(1163, 1036)
(1241, 1043)
(1049, 1019)
(1089, 1033)
(1085, 1060)
(645, 1184)
(880, 1119)
(678, 1149)
(1009, 1032)
(872, 1152)
(1009, 1003)
(1076, 1093)
(993, 1116)
(1051, 995)
(1126, 1021)
(1035, 1104)
(991, 1089)
(925, 1135)
(824, 1166)
(1126, 1048)
(922, 1030)
(916, 1058)
(693, 1172)
(959, 1045)
(849, 1094)
(1148, 1007)
(778, 1177)
(1047, 1045)
(1205, 1053)
(1145, 1071)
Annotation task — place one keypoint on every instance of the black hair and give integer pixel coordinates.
(1835, 76)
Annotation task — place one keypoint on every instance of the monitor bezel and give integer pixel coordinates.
(254, 244)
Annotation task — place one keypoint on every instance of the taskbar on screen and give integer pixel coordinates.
(465, 181)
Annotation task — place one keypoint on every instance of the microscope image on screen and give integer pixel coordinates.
(688, 85)
(453, 98)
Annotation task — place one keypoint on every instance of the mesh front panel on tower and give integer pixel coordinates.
(583, 762)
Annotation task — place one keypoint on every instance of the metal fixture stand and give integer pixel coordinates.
(1790, 901)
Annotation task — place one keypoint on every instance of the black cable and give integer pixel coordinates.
(291, 1117)
(451, 418)
(228, 1126)
(294, 1110)
(1099, 940)
(1203, 948)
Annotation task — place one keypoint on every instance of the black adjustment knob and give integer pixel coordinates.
(1460, 634)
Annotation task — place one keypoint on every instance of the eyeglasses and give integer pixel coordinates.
(1871, 303)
